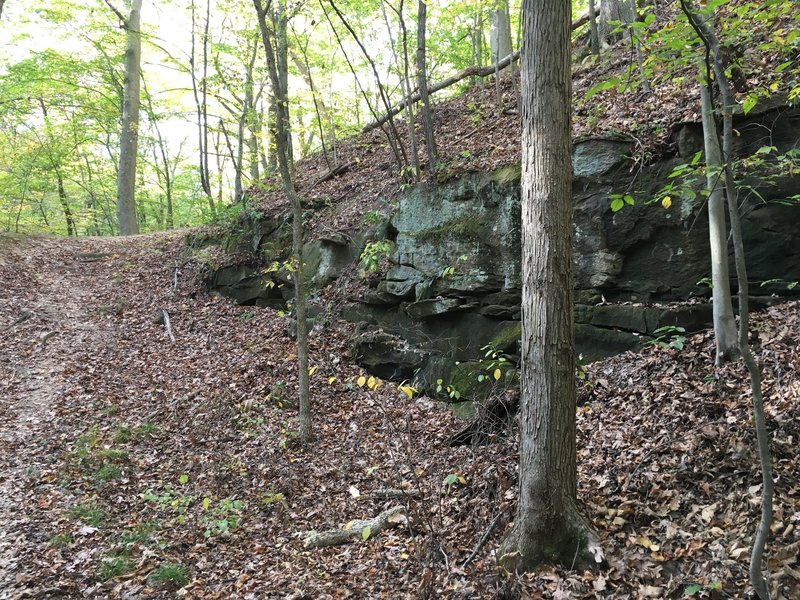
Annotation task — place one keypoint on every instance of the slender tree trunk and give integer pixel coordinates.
(200, 92)
(477, 40)
(129, 135)
(724, 321)
(715, 59)
(321, 111)
(285, 165)
(422, 82)
(393, 137)
(62, 197)
(2, 3)
(594, 36)
(405, 80)
(548, 526)
(500, 35)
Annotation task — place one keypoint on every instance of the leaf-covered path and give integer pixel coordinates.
(44, 309)
(134, 466)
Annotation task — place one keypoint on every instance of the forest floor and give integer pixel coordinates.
(134, 466)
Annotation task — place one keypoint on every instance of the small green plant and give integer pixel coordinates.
(222, 517)
(695, 588)
(372, 255)
(618, 201)
(170, 575)
(497, 363)
(453, 479)
(62, 540)
(125, 433)
(89, 513)
(112, 454)
(790, 285)
(451, 392)
(170, 499)
(83, 447)
(373, 217)
(669, 336)
(451, 270)
(114, 566)
(108, 472)
(141, 533)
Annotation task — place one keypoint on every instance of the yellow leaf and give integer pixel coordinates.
(378, 383)
(348, 525)
(404, 556)
(408, 390)
(206, 503)
(361, 381)
(462, 480)
(331, 380)
(666, 202)
(311, 371)
(371, 383)
(365, 533)
(497, 374)
(646, 543)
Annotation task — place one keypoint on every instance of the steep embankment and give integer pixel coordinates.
(133, 464)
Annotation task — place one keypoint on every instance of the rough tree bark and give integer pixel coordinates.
(129, 129)
(548, 526)
(283, 149)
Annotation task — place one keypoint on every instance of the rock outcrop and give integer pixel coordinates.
(453, 286)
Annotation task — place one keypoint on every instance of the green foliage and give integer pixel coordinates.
(222, 516)
(114, 566)
(454, 479)
(88, 512)
(372, 255)
(125, 434)
(373, 217)
(450, 391)
(170, 499)
(61, 540)
(451, 270)
(170, 575)
(669, 336)
(141, 533)
(618, 201)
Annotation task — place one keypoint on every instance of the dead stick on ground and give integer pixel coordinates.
(482, 541)
(353, 530)
(168, 325)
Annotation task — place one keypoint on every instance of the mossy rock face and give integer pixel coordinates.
(462, 236)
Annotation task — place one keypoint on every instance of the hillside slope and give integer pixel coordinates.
(125, 453)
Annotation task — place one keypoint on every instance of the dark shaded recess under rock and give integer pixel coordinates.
(453, 287)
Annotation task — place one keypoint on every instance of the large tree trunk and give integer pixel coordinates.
(129, 134)
(548, 526)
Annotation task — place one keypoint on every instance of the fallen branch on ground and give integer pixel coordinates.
(362, 529)
(473, 71)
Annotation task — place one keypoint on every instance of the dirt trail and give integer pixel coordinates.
(45, 304)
